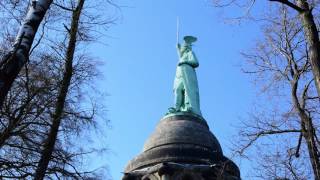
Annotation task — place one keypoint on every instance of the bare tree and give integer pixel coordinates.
(13, 61)
(304, 10)
(282, 66)
(57, 116)
(27, 115)
(20, 150)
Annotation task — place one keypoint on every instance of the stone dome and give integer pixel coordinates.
(181, 138)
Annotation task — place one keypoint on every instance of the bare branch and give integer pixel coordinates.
(290, 4)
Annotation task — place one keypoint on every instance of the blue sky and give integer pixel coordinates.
(140, 62)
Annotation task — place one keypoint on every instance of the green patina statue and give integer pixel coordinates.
(185, 88)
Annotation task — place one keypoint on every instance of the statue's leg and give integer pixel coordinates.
(192, 100)
(187, 102)
(192, 94)
(179, 93)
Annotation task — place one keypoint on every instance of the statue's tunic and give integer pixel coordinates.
(186, 84)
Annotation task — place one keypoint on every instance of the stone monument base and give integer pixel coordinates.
(181, 148)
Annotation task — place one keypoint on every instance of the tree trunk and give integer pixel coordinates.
(312, 37)
(11, 63)
(307, 131)
(6, 134)
(52, 136)
(309, 135)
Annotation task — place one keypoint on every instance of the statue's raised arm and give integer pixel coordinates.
(186, 84)
(179, 50)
